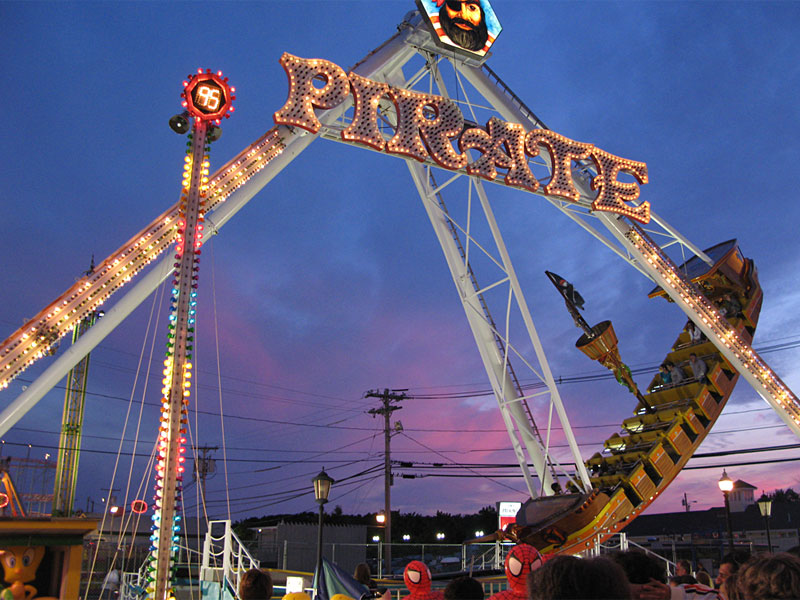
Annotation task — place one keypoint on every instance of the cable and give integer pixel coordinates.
(446, 458)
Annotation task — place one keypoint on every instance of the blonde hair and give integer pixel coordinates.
(769, 576)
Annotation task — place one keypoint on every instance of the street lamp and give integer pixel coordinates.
(726, 485)
(380, 518)
(765, 506)
(322, 487)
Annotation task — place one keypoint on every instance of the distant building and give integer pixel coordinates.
(293, 546)
(701, 536)
(741, 496)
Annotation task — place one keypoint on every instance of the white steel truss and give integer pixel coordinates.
(499, 352)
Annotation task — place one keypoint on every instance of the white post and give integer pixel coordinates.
(226, 552)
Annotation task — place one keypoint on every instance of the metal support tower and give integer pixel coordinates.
(177, 371)
(69, 445)
(8, 492)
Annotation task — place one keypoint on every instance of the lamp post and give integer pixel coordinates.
(322, 487)
(726, 485)
(765, 506)
(380, 519)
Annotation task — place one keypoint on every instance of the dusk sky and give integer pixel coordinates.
(331, 283)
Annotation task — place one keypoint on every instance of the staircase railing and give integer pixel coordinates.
(225, 557)
(620, 542)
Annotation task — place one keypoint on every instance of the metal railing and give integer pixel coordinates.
(620, 543)
(133, 585)
(225, 557)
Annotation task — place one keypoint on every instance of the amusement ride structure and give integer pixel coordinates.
(453, 140)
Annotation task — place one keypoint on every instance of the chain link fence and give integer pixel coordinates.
(440, 558)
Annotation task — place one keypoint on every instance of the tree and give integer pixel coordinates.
(787, 495)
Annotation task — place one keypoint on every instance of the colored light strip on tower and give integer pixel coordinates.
(207, 98)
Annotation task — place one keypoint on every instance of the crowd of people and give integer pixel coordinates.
(628, 575)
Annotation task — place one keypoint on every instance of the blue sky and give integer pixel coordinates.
(331, 283)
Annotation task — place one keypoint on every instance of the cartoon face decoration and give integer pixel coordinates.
(20, 562)
(469, 26)
(521, 560)
(417, 576)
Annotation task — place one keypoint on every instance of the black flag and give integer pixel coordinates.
(566, 289)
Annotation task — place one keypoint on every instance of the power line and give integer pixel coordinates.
(774, 346)
(516, 475)
(147, 455)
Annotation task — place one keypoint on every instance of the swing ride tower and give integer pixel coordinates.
(207, 98)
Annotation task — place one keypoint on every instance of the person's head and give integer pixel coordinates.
(730, 564)
(521, 560)
(417, 577)
(362, 574)
(464, 588)
(729, 588)
(255, 584)
(639, 567)
(677, 580)
(464, 22)
(693, 356)
(769, 576)
(683, 567)
(571, 578)
(703, 577)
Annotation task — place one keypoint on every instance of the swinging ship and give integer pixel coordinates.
(639, 461)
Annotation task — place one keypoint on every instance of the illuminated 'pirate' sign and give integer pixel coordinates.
(426, 124)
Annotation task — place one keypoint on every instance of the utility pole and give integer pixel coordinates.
(387, 397)
(203, 467)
